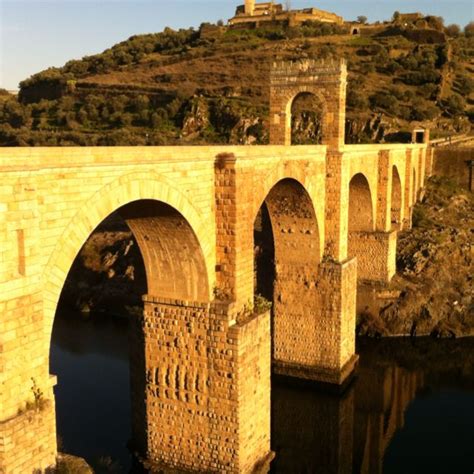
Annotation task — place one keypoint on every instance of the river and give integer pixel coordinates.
(410, 409)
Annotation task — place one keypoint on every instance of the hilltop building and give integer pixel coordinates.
(252, 13)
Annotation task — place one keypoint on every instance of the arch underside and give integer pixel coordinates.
(296, 246)
(174, 262)
(173, 258)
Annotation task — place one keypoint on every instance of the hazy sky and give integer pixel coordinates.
(36, 34)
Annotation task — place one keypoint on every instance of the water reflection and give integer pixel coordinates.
(407, 399)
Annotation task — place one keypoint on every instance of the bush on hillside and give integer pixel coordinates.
(454, 105)
(386, 101)
(469, 30)
(425, 75)
(453, 30)
(422, 110)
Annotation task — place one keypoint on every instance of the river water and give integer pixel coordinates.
(410, 409)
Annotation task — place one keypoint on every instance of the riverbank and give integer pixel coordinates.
(432, 292)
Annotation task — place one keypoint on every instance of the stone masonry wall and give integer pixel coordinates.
(197, 372)
(451, 162)
(319, 337)
(375, 252)
(254, 368)
(28, 441)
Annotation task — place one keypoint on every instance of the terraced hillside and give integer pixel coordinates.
(211, 86)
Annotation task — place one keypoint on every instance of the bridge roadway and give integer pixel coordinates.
(201, 358)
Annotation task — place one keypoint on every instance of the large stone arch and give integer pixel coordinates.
(127, 189)
(396, 199)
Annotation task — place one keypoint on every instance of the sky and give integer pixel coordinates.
(37, 34)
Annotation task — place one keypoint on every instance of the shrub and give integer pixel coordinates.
(384, 100)
(424, 76)
(356, 99)
(465, 85)
(422, 110)
(454, 105)
(453, 30)
(469, 30)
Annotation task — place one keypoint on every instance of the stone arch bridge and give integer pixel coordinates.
(202, 357)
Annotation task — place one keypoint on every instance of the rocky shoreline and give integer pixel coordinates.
(432, 292)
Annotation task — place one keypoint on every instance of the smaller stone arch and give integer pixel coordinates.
(325, 79)
(396, 204)
(287, 245)
(361, 209)
(355, 31)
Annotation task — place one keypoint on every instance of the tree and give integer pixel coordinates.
(396, 16)
(435, 22)
(362, 19)
(454, 105)
(469, 30)
(453, 30)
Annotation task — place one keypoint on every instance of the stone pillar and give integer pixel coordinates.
(234, 252)
(336, 285)
(408, 191)
(337, 206)
(206, 390)
(376, 255)
(421, 169)
(429, 161)
(324, 350)
(27, 414)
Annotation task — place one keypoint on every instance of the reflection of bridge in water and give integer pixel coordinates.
(316, 432)
(201, 359)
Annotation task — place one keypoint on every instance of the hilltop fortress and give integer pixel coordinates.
(257, 13)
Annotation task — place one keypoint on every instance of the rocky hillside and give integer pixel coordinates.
(211, 86)
(433, 290)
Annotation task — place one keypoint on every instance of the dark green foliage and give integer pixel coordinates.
(425, 75)
(386, 101)
(454, 105)
(453, 30)
(435, 22)
(423, 110)
(465, 85)
(356, 99)
(469, 30)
